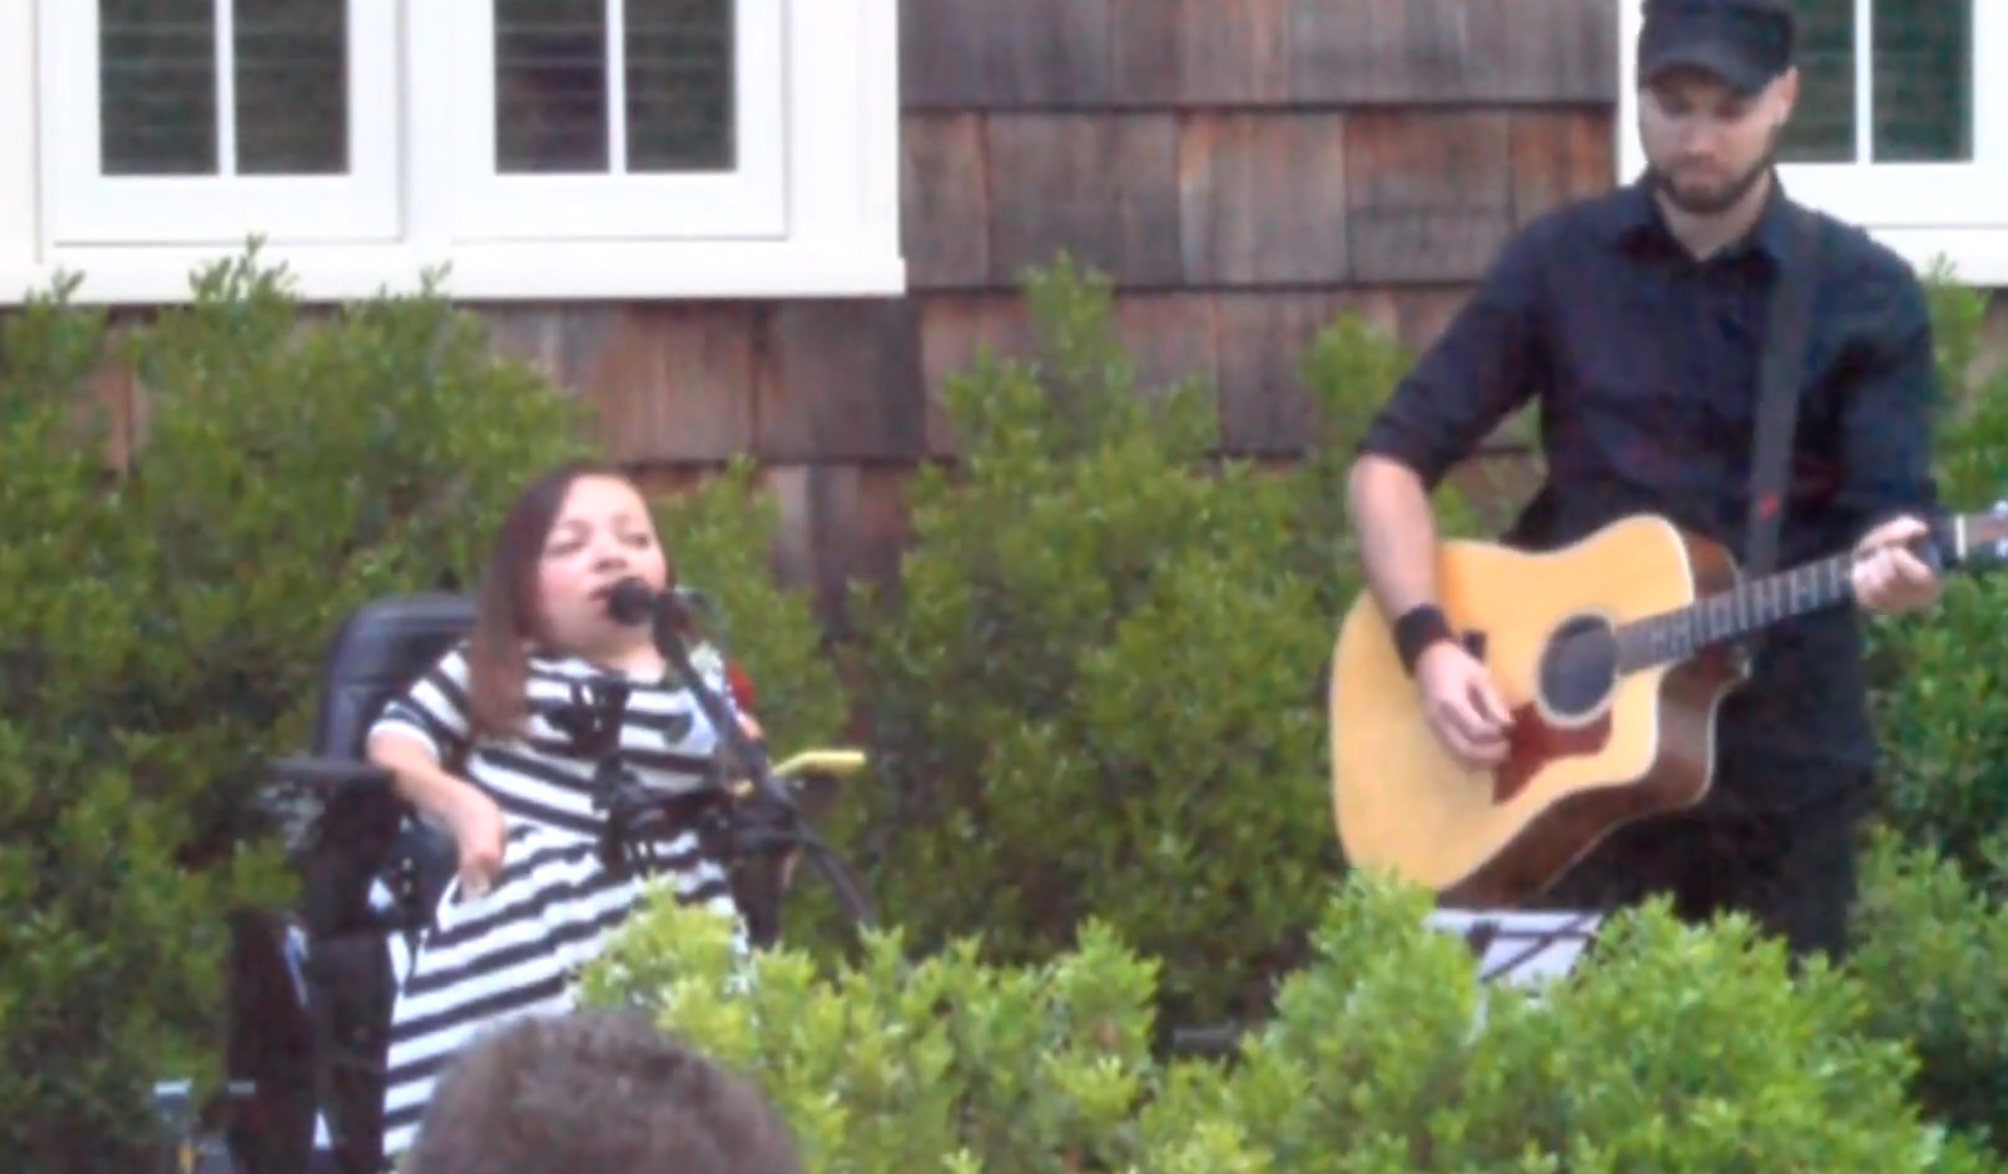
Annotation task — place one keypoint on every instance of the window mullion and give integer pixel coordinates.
(226, 87)
(617, 136)
(1865, 82)
(1990, 85)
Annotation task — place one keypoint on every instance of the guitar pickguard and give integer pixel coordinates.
(1533, 744)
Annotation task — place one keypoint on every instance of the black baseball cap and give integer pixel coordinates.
(1746, 43)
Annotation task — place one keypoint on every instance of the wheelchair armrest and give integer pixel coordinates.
(367, 863)
(311, 797)
(330, 774)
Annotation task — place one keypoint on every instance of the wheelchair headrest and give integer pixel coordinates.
(378, 650)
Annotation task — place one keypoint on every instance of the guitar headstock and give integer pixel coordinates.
(1973, 541)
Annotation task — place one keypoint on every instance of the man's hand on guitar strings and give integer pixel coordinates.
(1463, 705)
(1888, 578)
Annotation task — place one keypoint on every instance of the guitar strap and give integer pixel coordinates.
(1779, 374)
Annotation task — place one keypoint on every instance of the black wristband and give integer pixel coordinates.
(1417, 629)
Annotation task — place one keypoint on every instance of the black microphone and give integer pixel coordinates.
(633, 602)
(669, 617)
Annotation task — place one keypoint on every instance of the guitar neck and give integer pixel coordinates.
(1751, 606)
(1733, 614)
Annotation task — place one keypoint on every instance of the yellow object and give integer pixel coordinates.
(808, 762)
(838, 762)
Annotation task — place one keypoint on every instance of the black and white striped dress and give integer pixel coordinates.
(518, 949)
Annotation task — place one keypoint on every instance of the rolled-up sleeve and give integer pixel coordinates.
(1488, 362)
(1889, 403)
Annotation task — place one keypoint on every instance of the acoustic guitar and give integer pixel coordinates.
(1612, 655)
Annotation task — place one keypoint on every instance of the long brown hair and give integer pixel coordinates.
(507, 613)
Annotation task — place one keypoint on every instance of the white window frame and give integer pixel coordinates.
(87, 208)
(812, 211)
(747, 202)
(1926, 212)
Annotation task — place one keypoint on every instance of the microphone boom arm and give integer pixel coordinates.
(666, 628)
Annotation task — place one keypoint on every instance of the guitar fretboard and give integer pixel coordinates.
(1729, 615)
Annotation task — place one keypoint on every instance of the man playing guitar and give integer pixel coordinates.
(1638, 320)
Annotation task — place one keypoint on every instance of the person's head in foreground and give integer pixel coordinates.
(600, 1091)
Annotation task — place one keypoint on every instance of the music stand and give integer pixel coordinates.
(1521, 947)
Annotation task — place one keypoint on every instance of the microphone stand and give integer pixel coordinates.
(667, 626)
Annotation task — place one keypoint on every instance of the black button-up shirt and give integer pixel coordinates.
(1644, 362)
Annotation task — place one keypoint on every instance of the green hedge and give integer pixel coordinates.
(1096, 688)
(1934, 932)
(1947, 747)
(1682, 1049)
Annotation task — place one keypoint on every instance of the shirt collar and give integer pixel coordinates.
(1636, 219)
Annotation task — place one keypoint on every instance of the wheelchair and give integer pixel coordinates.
(309, 991)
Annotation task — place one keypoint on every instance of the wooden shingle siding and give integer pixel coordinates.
(1430, 196)
(1264, 408)
(116, 403)
(839, 523)
(1262, 198)
(1171, 336)
(1102, 185)
(1453, 52)
(667, 381)
(1070, 54)
(953, 328)
(1994, 348)
(1224, 54)
(1248, 344)
(841, 382)
(987, 54)
(1226, 199)
(946, 210)
(1558, 156)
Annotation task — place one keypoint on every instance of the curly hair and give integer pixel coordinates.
(601, 1091)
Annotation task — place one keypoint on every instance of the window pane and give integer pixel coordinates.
(157, 81)
(1822, 129)
(679, 85)
(550, 85)
(1924, 80)
(292, 87)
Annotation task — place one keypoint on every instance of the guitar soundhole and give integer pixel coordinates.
(1578, 668)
